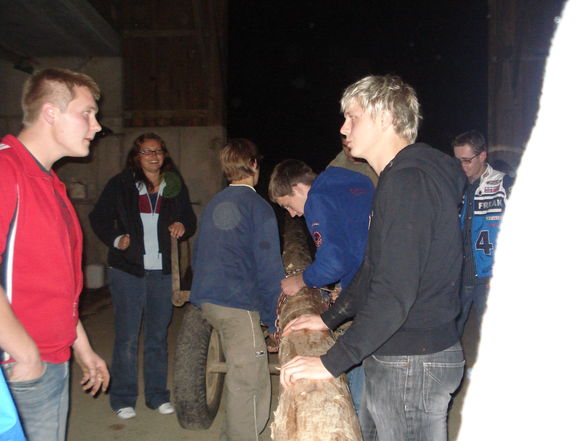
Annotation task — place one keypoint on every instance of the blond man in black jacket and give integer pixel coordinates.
(405, 298)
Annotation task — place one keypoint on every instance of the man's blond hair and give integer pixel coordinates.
(388, 93)
(53, 85)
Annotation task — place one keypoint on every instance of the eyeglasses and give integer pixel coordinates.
(468, 160)
(152, 152)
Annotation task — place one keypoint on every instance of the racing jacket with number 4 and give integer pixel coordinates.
(481, 214)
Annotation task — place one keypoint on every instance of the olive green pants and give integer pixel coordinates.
(247, 392)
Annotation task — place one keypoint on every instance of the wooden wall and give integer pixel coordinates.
(174, 61)
(520, 33)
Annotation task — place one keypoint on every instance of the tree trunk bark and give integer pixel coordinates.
(311, 409)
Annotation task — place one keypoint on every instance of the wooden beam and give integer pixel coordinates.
(176, 113)
(160, 33)
(311, 409)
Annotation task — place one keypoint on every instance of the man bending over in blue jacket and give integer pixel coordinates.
(336, 206)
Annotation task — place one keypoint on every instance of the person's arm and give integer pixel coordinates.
(312, 322)
(95, 372)
(349, 300)
(301, 367)
(184, 224)
(187, 217)
(292, 284)
(403, 223)
(343, 309)
(268, 262)
(176, 230)
(15, 340)
(507, 183)
(324, 221)
(103, 218)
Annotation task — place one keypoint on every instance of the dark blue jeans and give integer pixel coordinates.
(407, 396)
(136, 299)
(356, 380)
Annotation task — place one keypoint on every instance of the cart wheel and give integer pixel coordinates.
(198, 384)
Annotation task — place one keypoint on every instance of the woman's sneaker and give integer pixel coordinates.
(126, 413)
(166, 408)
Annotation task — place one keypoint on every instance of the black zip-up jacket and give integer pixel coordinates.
(117, 213)
(405, 297)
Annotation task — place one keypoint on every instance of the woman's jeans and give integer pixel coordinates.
(42, 402)
(408, 396)
(136, 299)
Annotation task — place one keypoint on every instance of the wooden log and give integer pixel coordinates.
(179, 297)
(311, 410)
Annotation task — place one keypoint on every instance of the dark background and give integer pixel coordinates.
(290, 61)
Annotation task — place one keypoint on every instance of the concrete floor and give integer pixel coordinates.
(91, 419)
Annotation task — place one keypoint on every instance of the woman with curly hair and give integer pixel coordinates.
(138, 212)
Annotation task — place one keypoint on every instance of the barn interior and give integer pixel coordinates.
(171, 68)
(167, 67)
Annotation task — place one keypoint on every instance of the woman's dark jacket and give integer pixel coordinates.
(117, 213)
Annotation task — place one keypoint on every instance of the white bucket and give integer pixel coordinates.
(94, 276)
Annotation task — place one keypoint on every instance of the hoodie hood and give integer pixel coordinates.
(444, 169)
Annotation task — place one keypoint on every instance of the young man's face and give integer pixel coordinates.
(295, 201)
(360, 130)
(74, 128)
(473, 165)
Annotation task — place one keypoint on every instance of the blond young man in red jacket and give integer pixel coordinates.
(41, 251)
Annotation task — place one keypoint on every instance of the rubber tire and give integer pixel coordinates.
(196, 402)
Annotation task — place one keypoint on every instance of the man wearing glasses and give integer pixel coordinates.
(481, 213)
